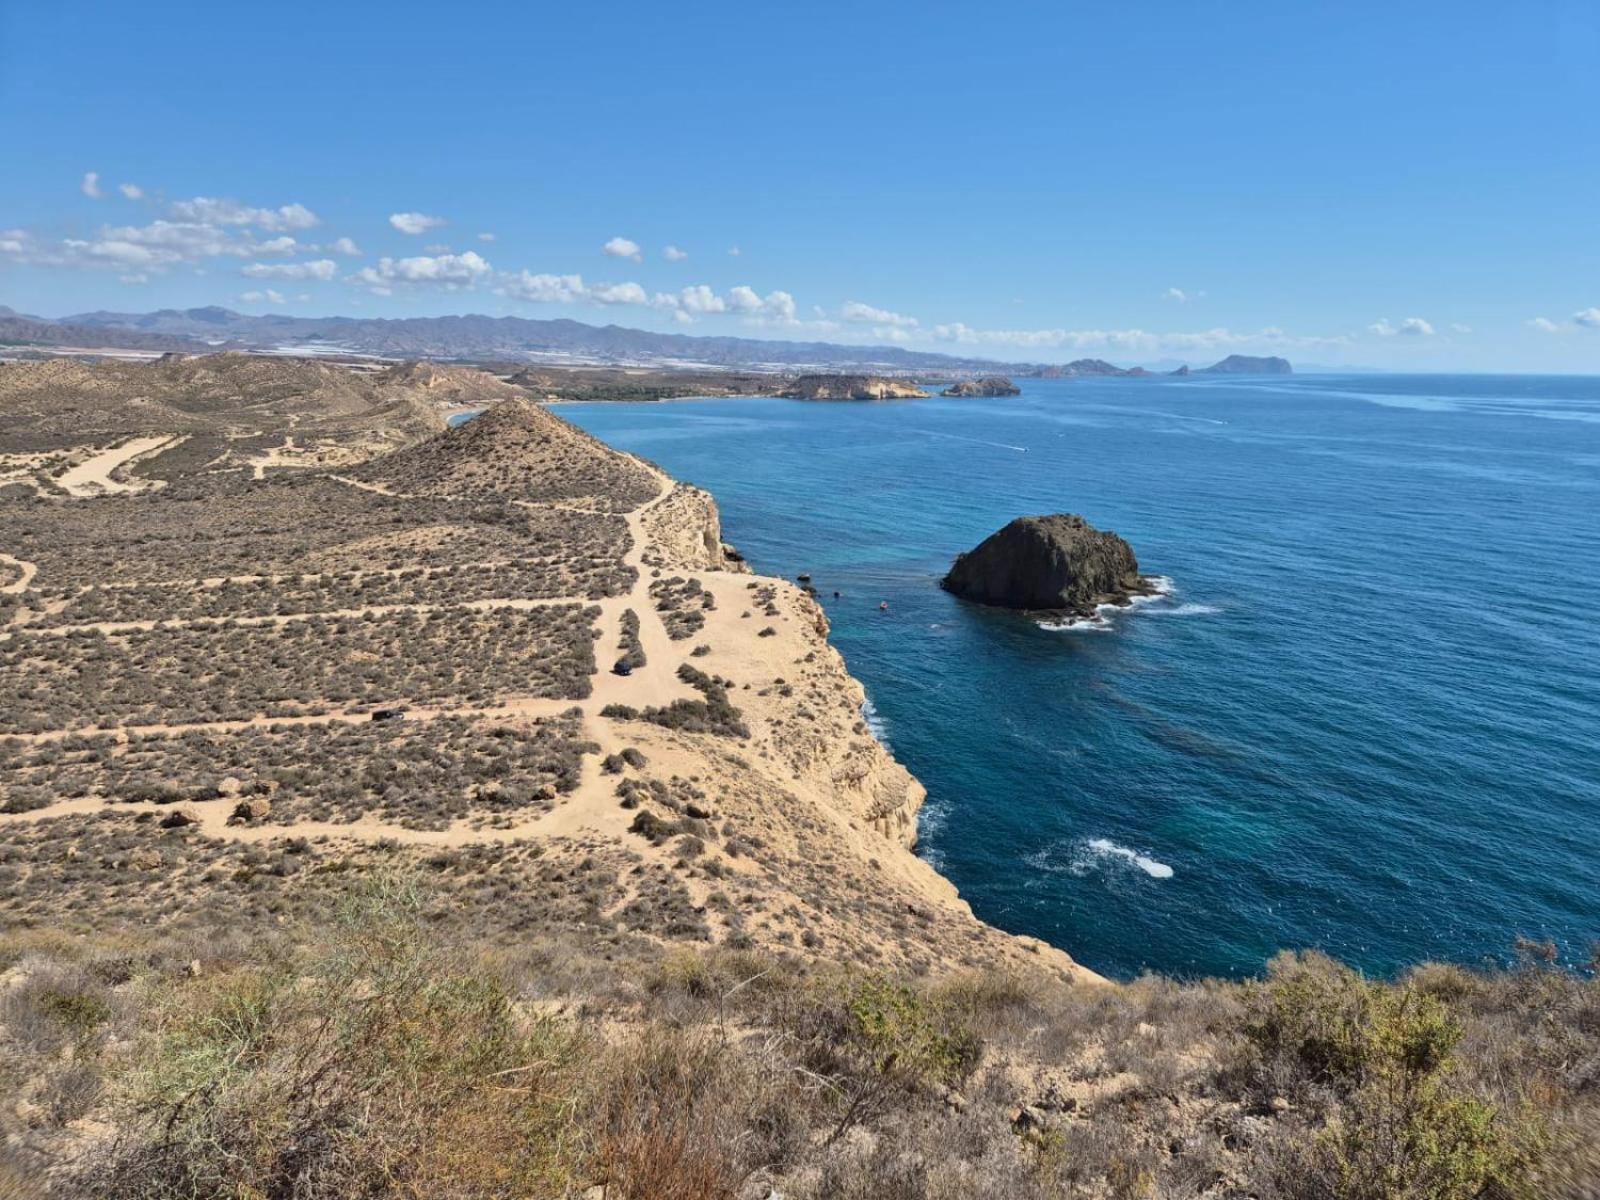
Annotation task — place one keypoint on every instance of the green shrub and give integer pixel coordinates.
(1400, 1123)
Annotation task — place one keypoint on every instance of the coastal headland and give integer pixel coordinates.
(397, 809)
(480, 578)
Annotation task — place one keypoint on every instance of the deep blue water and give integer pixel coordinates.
(1366, 720)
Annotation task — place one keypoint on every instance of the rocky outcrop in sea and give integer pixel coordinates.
(851, 387)
(1057, 563)
(992, 385)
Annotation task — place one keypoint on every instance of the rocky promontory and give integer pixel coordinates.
(1053, 563)
(992, 385)
(851, 387)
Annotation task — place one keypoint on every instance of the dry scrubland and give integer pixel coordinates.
(559, 932)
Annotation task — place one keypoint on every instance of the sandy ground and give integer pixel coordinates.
(93, 476)
(26, 571)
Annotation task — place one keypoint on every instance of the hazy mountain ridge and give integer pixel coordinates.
(517, 340)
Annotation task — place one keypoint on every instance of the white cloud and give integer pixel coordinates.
(91, 185)
(1589, 318)
(673, 254)
(1544, 325)
(619, 293)
(1410, 327)
(450, 271)
(865, 314)
(131, 190)
(208, 210)
(544, 288)
(264, 297)
(1178, 294)
(775, 308)
(735, 251)
(1458, 327)
(701, 299)
(345, 246)
(415, 222)
(321, 268)
(278, 245)
(621, 247)
(486, 237)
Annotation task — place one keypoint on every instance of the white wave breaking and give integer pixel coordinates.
(874, 720)
(1081, 857)
(1162, 588)
(1106, 848)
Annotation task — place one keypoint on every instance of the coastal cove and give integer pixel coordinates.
(1363, 719)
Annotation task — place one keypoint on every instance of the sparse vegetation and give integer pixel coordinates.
(375, 1059)
(715, 714)
(224, 671)
(683, 604)
(630, 645)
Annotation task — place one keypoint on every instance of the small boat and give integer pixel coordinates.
(883, 606)
(803, 577)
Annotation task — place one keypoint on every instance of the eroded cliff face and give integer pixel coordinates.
(685, 532)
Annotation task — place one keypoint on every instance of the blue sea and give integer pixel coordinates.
(1365, 719)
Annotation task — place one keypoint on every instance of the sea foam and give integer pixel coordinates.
(1162, 588)
(1106, 848)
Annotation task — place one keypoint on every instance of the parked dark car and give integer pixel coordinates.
(622, 667)
(388, 714)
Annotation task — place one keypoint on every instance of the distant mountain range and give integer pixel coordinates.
(480, 339)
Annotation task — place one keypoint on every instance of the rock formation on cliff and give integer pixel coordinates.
(991, 385)
(1054, 563)
(851, 387)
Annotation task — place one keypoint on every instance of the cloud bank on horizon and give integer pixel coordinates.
(206, 234)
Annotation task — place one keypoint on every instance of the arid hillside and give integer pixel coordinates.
(73, 427)
(388, 810)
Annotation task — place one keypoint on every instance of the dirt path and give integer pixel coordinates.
(19, 585)
(92, 477)
(592, 806)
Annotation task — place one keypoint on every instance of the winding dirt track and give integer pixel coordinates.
(26, 570)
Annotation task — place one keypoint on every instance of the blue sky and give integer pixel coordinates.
(1412, 185)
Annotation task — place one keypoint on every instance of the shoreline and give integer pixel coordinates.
(846, 768)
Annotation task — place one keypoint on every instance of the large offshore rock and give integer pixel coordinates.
(1057, 562)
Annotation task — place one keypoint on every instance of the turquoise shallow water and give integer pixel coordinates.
(1367, 719)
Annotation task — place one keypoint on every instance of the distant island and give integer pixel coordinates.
(1242, 364)
(990, 385)
(1080, 367)
(851, 387)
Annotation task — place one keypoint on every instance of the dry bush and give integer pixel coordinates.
(378, 1066)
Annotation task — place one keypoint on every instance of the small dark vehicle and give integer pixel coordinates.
(622, 667)
(388, 714)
